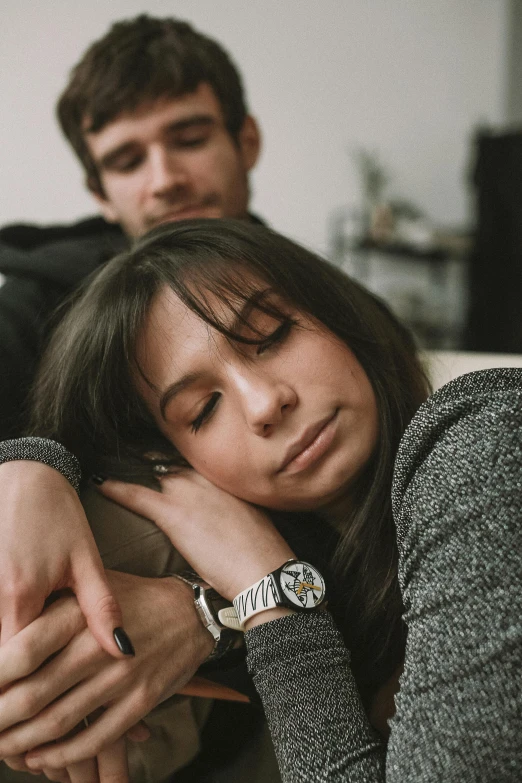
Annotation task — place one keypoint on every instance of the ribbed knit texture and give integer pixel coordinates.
(458, 508)
(43, 450)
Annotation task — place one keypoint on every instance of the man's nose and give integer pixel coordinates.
(266, 400)
(166, 172)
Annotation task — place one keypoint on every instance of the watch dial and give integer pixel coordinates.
(302, 585)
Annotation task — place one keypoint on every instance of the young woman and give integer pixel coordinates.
(268, 381)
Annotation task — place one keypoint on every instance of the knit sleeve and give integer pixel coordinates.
(43, 450)
(458, 510)
(457, 504)
(301, 669)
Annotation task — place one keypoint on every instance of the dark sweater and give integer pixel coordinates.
(42, 266)
(458, 509)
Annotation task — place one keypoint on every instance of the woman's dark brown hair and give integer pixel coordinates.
(86, 395)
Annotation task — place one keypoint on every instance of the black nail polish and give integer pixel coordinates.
(98, 479)
(123, 642)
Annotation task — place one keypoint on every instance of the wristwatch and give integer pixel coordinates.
(208, 603)
(296, 585)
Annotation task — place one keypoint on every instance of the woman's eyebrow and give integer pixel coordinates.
(176, 388)
(254, 302)
(239, 320)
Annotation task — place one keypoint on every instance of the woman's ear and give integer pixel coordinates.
(249, 142)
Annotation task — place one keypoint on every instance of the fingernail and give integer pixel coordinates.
(123, 642)
(98, 479)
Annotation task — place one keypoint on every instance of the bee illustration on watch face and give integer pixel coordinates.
(302, 585)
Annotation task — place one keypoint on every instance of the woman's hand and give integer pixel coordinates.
(45, 702)
(230, 543)
(47, 545)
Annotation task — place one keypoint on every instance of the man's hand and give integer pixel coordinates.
(46, 545)
(229, 542)
(109, 767)
(47, 701)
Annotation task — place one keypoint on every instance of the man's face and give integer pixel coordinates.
(172, 159)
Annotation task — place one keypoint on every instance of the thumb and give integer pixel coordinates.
(142, 500)
(99, 606)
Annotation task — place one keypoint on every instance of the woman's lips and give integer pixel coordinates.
(316, 444)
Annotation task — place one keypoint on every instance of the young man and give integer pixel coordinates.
(157, 116)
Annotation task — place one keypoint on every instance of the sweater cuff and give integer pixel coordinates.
(50, 452)
(290, 636)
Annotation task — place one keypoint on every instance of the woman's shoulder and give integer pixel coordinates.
(463, 430)
(489, 395)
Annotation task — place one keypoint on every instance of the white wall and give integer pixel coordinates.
(408, 78)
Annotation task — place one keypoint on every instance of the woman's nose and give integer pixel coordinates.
(266, 401)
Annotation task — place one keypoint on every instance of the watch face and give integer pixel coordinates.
(302, 585)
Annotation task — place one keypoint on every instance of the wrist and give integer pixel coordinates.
(252, 573)
(31, 451)
(208, 603)
(295, 585)
(182, 597)
(32, 476)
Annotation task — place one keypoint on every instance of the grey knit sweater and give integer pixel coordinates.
(457, 499)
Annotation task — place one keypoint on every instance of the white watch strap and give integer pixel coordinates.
(302, 588)
(228, 617)
(257, 598)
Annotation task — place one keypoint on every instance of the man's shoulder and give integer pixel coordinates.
(61, 254)
(29, 236)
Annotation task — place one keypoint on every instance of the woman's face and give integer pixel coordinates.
(287, 424)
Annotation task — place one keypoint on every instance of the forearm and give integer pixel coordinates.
(320, 731)
(457, 508)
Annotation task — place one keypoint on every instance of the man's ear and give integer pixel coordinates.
(249, 142)
(105, 206)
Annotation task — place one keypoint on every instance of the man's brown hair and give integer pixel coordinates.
(139, 60)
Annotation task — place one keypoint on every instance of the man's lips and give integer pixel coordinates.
(185, 212)
(310, 446)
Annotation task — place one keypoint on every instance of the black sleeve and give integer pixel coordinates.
(38, 279)
(25, 308)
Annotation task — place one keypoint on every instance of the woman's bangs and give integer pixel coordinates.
(227, 296)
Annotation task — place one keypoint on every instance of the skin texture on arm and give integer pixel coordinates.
(47, 545)
(170, 643)
(212, 529)
(232, 545)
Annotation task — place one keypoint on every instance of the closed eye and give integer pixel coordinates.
(124, 165)
(277, 336)
(205, 413)
(191, 141)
